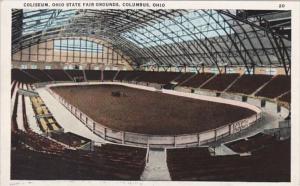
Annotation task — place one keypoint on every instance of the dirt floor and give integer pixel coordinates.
(149, 112)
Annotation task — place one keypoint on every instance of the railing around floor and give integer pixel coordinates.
(138, 139)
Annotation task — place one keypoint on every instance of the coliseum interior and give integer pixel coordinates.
(184, 95)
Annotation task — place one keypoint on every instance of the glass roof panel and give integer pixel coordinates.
(190, 25)
(38, 20)
(77, 45)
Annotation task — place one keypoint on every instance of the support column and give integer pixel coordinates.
(123, 137)
(215, 134)
(174, 141)
(102, 74)
(256, 118)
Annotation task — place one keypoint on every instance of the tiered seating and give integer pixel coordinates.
(220, 82)
(182, 77)
(70, 139)
(58, 75)
(108, 75)
(128, 75)
(251, 143)
(14, 83)
(37, 142)
(46, 121)
(17, 107)
(134, 157)
(14, 114)
(158, 77)
(50, 160)
(197, 80)
(109, 162)
(39, 74)
(93, 74)
(247, 84)
(75, 74)
(286, 97)
(122, 75)
(25, 121)
(277, 86)
(271, 163)
(22, 76)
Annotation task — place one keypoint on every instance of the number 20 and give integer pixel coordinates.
(281, 5)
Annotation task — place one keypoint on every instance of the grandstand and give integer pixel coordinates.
(189, 95)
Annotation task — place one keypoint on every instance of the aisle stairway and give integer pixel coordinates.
(156, 168)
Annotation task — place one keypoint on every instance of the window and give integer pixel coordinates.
(77, 45)
(23, 66)
(193, 70)
(96, 68)
(48, 67)
(33, 66)
(214, 70)
(230, 70)
(251, 71)
(68, 67)
(271, 71)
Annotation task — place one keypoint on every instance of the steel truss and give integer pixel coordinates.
(227, 38)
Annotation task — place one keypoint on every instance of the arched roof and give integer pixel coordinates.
(169, 37)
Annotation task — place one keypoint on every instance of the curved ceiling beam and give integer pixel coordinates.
(178, 49)
(187, 42)
(237, 35)
(222, 38)
(119, 52)
(113, 24)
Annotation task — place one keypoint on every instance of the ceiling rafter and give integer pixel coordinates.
(209, 37)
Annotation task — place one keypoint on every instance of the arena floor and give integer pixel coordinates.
(149, 112)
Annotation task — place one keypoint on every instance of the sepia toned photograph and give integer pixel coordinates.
(151, 95)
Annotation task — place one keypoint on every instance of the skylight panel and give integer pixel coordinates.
(179, 28)
(44, 19)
